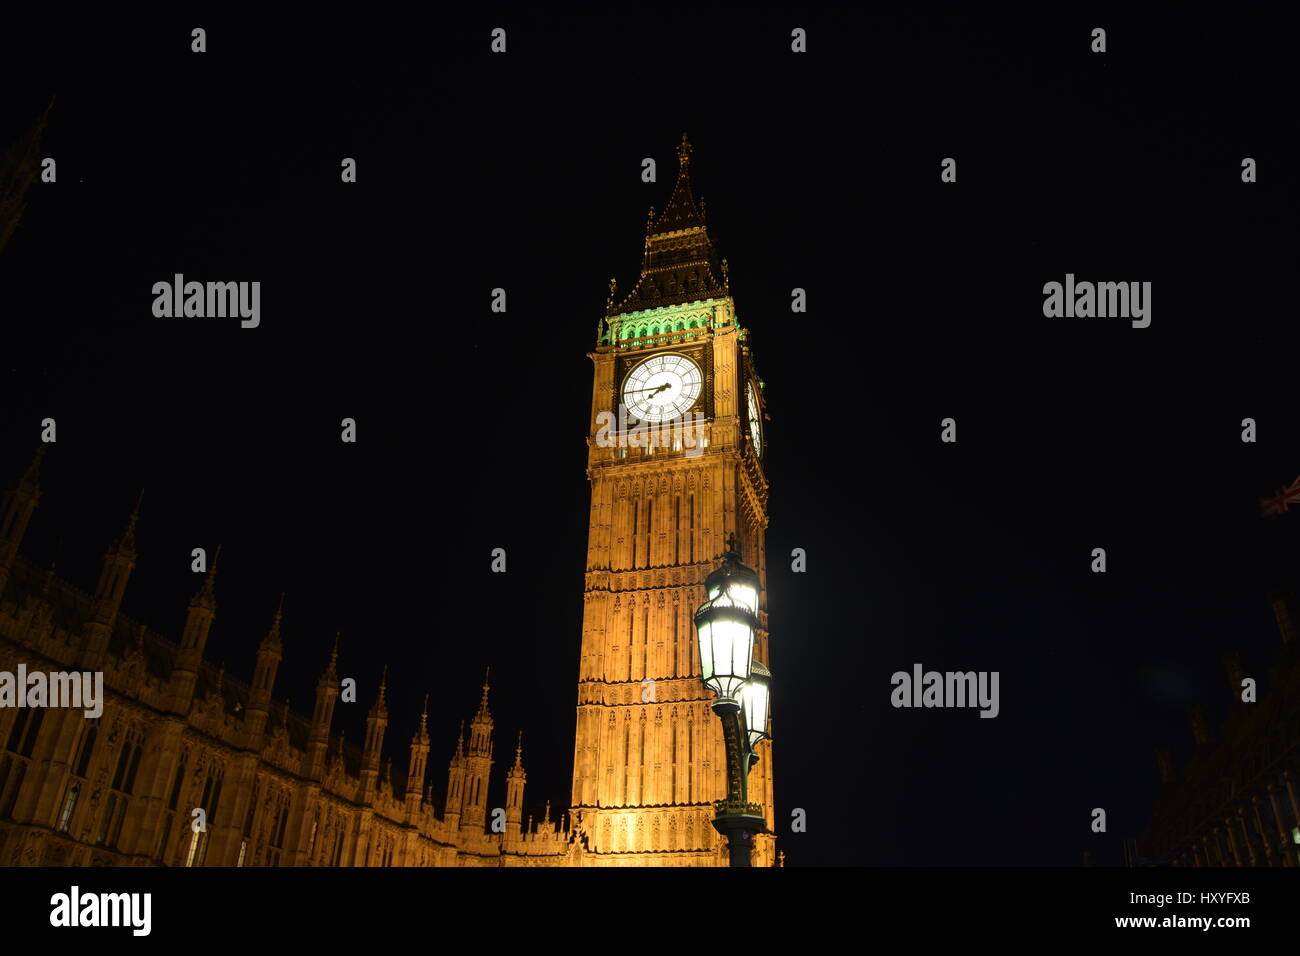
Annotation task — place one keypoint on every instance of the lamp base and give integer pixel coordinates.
(739, 828)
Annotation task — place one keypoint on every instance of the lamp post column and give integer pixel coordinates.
(737, 819)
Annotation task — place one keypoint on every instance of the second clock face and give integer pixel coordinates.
(662, 387)
(755, 419)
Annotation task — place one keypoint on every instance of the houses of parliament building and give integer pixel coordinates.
(177, 734)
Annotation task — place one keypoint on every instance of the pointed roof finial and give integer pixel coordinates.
(207, 591)
(684, 152)
(422, 731)
(127, 541)
(519, 751)
(483, 713)
(32, 474)
(273, 635)
(331, 669)
(380, 707)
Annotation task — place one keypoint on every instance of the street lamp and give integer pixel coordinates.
(755, 701)
(725, 625)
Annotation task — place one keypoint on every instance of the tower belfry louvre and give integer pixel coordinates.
(649, 760)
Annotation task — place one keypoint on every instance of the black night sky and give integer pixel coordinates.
(820, 171)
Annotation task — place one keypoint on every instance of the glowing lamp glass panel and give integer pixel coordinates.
(726, 637)
(735, 593)
(756, 701)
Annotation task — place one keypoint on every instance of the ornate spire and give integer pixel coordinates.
(519, 752)
(460, 741)
(422, 732)
(680, 263)
(682, 211)
(380, 706)
(19, 168)
(127, 541)
(331, 669)
(31, 477)
(272, 639)
(483, 712)
(207, 596)
(684, 153)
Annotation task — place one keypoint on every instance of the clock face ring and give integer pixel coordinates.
(663, 387)
(755, 419)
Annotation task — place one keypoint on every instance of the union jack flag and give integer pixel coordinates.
(1270, 507)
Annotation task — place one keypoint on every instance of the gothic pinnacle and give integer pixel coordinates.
(32, 474)
(207, 591)
(127, 541)
(272, 638)
(331, 669)
(422, 732)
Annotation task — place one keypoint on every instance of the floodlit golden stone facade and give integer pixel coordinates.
(177, 735)
(649, 760)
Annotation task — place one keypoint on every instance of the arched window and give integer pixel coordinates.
(69, 806)
(119, 796)
(27, 727)
(87, 751)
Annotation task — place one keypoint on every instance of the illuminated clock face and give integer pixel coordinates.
(755, 419)
(662, 387)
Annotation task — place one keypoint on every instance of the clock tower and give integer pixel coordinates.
(676, 464)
